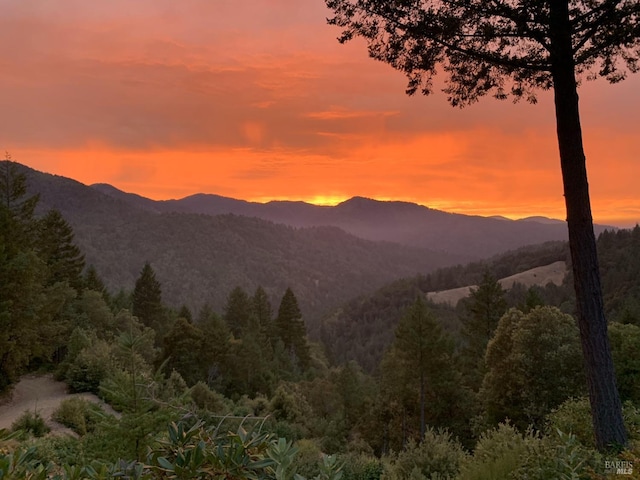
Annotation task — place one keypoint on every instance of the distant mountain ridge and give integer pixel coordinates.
(200, 258)
(393, 221)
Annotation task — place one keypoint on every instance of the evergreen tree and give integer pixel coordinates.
(290, 329)
(351, 385)
(64, 260)
(183, 346)
(185, 313)
(215, 347)
(238, 312)
(263, 312)
(22, 279)
(129, 389)
(92, 281)
(418, 372)
(122, 300)
(263, 315)
(17, 220)
(485, 306)
(147, 301)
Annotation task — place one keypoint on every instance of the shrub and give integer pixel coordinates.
(59, 450)
(208, 399)
(89, 368)
(78, 414)
(560, 456)
(498, 453)
(437, 456)
(360, 466)
(307, 460)
(574, 416)
(31, 423)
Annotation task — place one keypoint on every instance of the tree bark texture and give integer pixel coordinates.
(422, 406)
(606, 408)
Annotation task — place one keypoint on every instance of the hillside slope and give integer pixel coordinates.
(364, 327)
(554, 273)
(200, 258)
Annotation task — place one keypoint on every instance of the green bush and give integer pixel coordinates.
(560, 456)
(59, 450)
(308, 458)
(498, 453)
(209, 400)
(574, 416)
(31, 423)
(78, 414)
(89, 368)
(438, 456)
(360, 466)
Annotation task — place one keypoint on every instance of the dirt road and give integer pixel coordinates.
(43, 394)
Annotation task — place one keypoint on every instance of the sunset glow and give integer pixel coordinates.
(255, 99)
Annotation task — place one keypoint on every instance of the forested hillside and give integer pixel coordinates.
(478, 391)
(201, 258)
(406, 223)
(363, 327)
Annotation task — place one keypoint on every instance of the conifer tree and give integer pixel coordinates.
(17, 211)
(21, 275)
(291, 330)
(185, 313)
(485, 306)
(263, 315)
(64, 260)
(92, 281)
(418, 366)
(238, 312)
(147, 301)
(215, 346)
(263, 311)
(182, 349)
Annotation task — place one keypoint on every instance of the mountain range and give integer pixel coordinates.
(204, 245)
(200, 258)
(405, 223)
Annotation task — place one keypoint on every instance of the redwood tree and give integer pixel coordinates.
(509, 48)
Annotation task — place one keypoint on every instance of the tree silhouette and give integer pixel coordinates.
(64, 259)
(485, 305)
(510, 48)
(147, 301)
(291, 329)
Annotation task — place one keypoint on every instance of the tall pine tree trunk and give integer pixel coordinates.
(606, 409)
(422, 406)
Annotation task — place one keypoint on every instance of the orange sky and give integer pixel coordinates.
(255, 99)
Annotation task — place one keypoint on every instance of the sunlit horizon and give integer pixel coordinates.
(259, 101)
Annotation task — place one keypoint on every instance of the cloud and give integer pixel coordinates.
(338, 113)
(257, 99)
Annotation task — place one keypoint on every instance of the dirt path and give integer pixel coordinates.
(43, 394)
